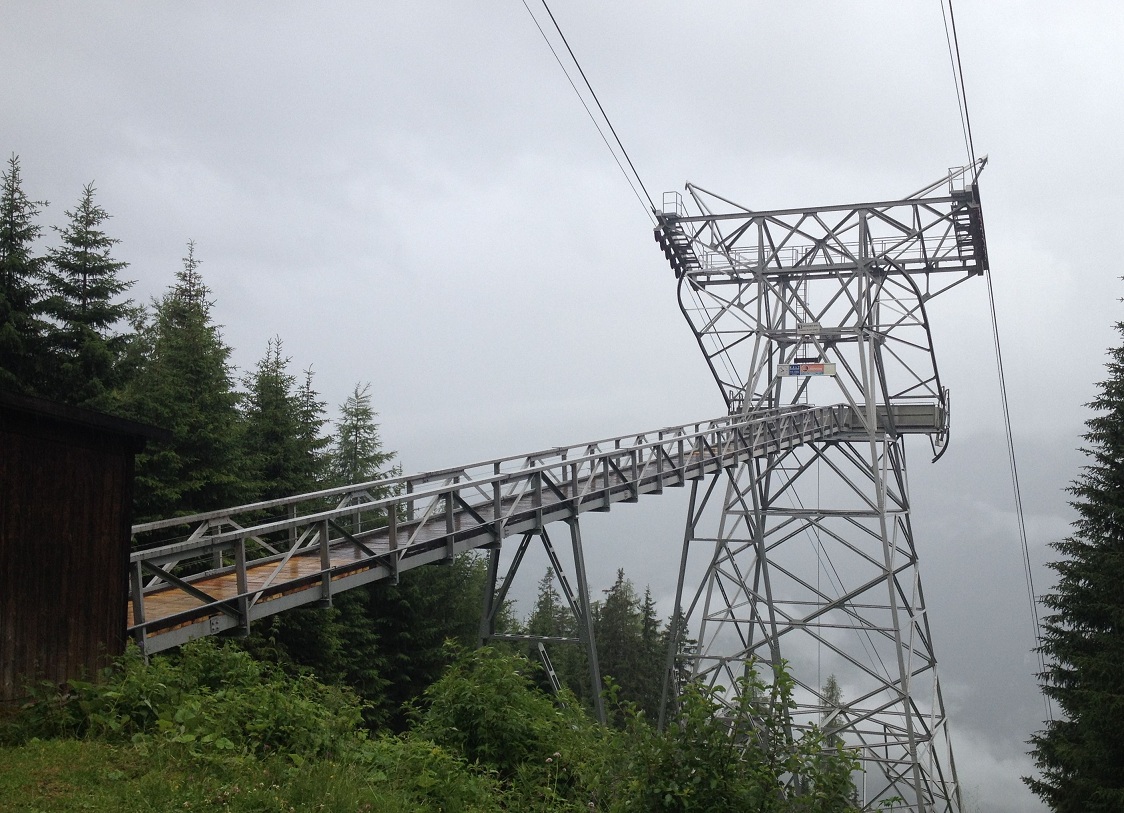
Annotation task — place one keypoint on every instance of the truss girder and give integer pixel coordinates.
(813, 561)
(231, 567)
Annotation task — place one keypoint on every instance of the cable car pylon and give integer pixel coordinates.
(806, 555)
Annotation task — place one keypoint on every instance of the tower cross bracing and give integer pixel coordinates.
(806, 555)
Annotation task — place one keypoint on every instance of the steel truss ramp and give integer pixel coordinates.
(806, 555)
(225, 569)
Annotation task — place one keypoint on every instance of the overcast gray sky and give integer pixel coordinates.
(410, 194)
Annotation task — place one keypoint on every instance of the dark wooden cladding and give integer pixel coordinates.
(66, 482)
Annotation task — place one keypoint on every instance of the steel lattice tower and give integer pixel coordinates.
(807, 554)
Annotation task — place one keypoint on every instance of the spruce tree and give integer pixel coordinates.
(284, 446)
(631, 646)
(413, 619)
(186, 387)
(311, 419)
(357, 455)
(21, 282)
(653, 655)
(552, 617)
(383, 640)
(83, 300)
(1081, 757)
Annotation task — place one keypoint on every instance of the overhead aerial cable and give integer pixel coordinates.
(1028, 570)
(651, 206)
(949, 19)
(1017, 491)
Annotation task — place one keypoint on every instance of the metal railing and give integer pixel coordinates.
(229, 567)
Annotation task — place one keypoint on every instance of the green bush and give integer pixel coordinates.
(427, 775)
(211, 699)
(487, 709)
(714, 757)
(485, 739)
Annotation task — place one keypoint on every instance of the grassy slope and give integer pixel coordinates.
(60, 776)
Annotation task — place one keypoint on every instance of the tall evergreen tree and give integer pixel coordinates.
(357, 455)
(631, 646)
(384, 640)
(1081, 757)
(83, 300)
(186, 387)
(284, 446)
(653, 655)
(552, 617)
(21, 281)
(413, 619)
(311, 419)
(618, 629)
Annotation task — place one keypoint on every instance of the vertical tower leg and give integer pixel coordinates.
(828, 584)
(826, 302)
(496, 590)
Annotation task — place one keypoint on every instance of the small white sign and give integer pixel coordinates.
(809, 329)
(807, 369)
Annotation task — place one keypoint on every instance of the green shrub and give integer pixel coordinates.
(714, 757)
(487, 709)
(427, 775)
(211, 699)
(485, 740)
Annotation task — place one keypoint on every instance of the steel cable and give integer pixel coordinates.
(966, 125)
(647, 211)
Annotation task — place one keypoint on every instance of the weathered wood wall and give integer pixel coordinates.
(66, 484)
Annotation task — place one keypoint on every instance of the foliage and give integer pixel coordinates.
(631, 645)
(551, 617)
(414, 619)
(427, 775)
(745, 757)
(283, 444)
(357, 453)
(186, 386)
(83, 288)
(214, 729)
(1081, 757)
(487, 709)
(389, 776)
(211, 700)
(21, 282)
(385, 641)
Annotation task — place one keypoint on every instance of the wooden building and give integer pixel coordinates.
(66, 492)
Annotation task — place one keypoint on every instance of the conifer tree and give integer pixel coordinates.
(83, 290)
(21, 281)
(311, 419)
(1081, 757)
(385, 641)
(552, 617)
(357, 455)
(653, 655)
(631, 645)
(413, 620)
(284, 446)
(186, 387)
(617, 626)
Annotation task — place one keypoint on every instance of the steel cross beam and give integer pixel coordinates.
(807, 553)
(221, 570)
